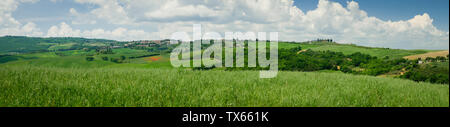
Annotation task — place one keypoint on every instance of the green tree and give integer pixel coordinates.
(90, 58)
(105, 58)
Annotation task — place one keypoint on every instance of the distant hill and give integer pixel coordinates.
(21, 44)
(144, 76)
(348, 49)
(430, 54)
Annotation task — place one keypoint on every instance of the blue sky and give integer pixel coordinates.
(46, 13)
(410, 24)
(396, 9)
(383, 9)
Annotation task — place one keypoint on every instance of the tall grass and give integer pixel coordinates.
(64, 87)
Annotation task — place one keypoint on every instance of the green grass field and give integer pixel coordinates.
(77, 59)
(62, 46)
(287, 45)
(350, 49)
(42, 86)
(67, 79)
(378, 52)
(30, 44)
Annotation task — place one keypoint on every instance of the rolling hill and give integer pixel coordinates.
(429, 54)
(378, 52)
(20, 44)
(146, 78)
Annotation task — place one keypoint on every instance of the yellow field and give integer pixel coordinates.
(430, 54)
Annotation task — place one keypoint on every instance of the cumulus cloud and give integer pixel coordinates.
(82, 18)
(109, 10)
(352, 25)
(214, 11)
(10, 26)
(343, 23)
(54, 1)
(65, 30)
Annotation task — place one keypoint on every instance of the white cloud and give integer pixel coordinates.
(215, 11)
(82, 18)
(173, 9)
(352, 25)
(54, 1)
(9, 25)
(65, 30)
(344, 23)
(109, 10)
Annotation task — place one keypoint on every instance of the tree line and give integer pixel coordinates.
(297, 59)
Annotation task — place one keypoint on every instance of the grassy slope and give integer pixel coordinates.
(51, 80)
(441, 64)
(429, 54)
(62, 46)
(78, 60)
(28, 44)
(378, 52)
(287, 45)
(20, 44)
(349, 49)
(33, 86)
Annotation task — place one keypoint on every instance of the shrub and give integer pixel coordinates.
(105, 58)
(90, 58)
(116, 60)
